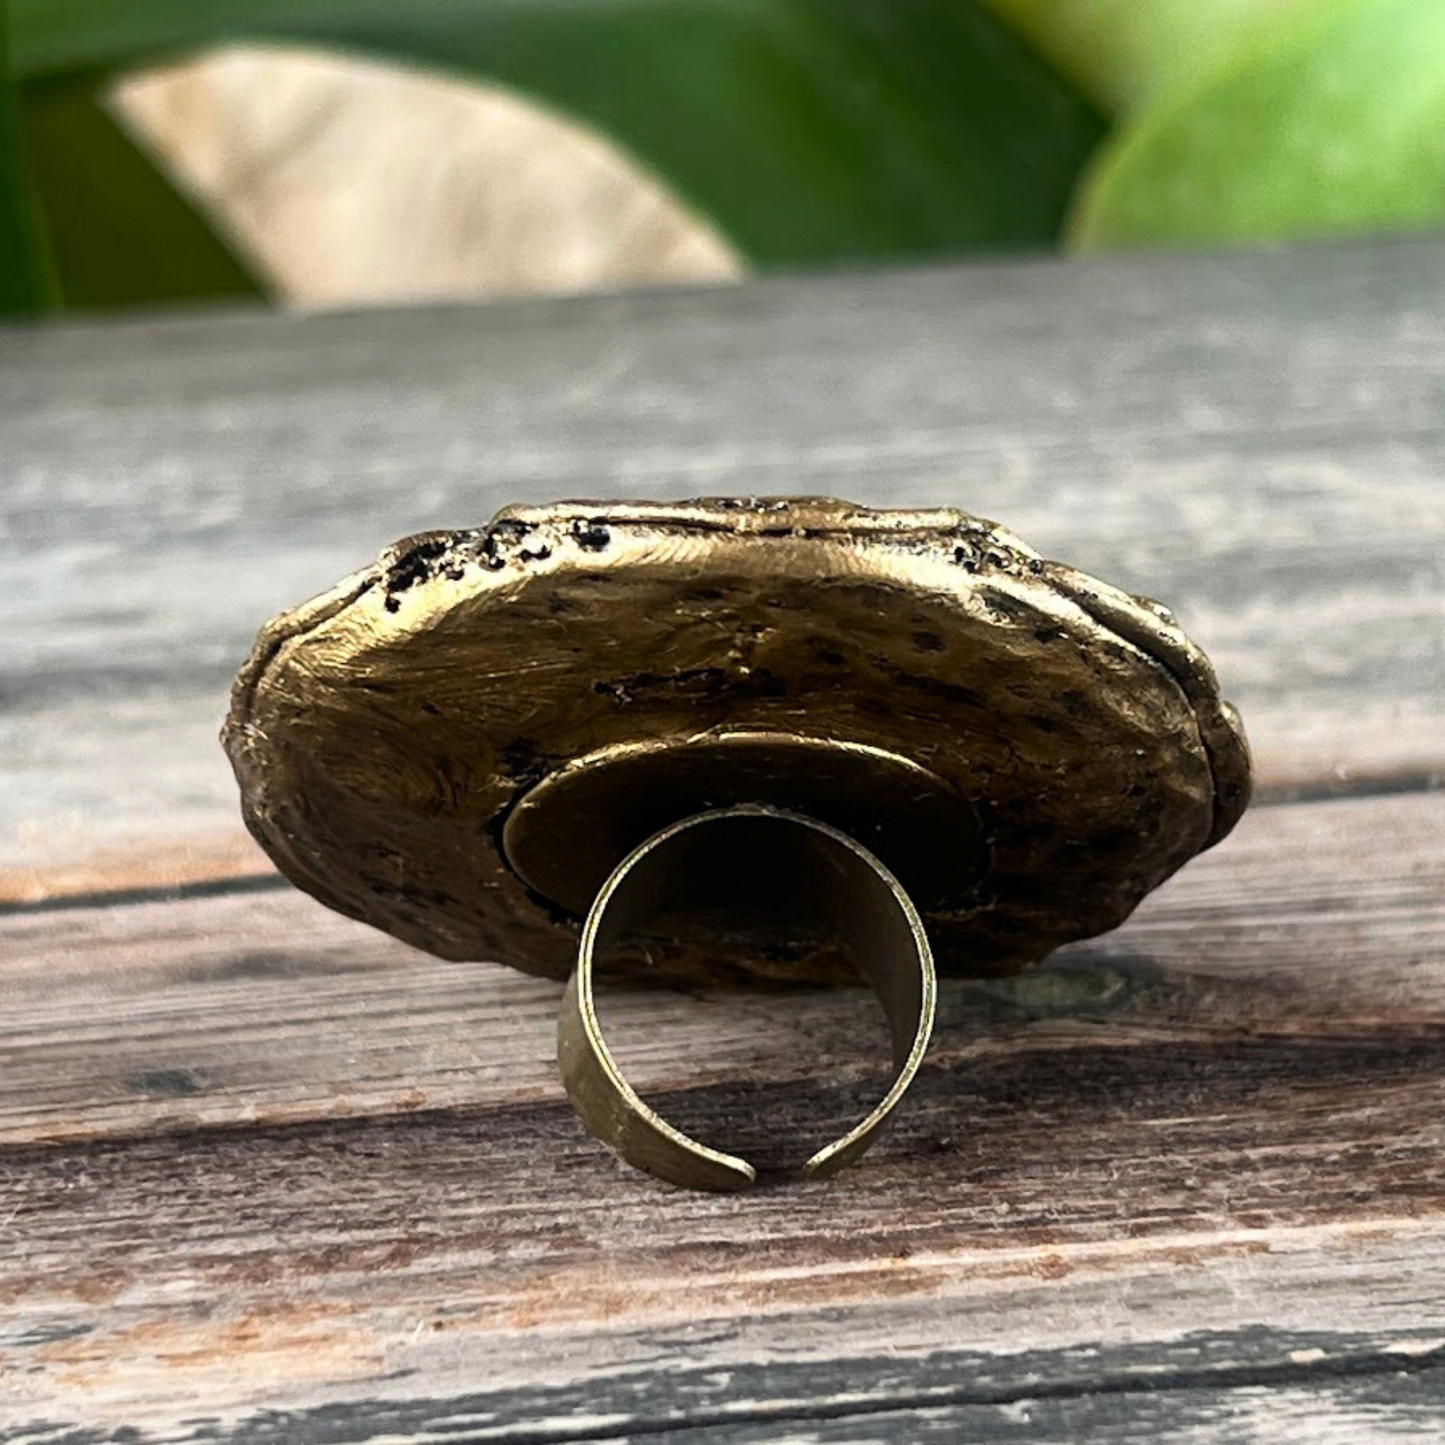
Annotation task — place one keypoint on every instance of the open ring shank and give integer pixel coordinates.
(740, 863)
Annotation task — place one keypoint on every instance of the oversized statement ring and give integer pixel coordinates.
(728, 740)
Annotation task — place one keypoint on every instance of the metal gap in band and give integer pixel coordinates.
(856, 903)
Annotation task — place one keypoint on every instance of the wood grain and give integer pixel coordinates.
(239, 1008)
(268, 1177)
(306, 1174)
(1256, 439)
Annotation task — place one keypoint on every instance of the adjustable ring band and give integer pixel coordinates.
(733, 868)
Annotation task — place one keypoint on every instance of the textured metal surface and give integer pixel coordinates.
(754, 869)
(565, 835)
(384, 733)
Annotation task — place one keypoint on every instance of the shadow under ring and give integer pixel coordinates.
(732, 869)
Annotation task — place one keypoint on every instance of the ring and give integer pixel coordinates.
(825, 883)
(539, 742)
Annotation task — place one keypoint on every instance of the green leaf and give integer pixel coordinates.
(1332, 122)
(806, 129)
(1126, 53)
(24, 278)
(120, 232)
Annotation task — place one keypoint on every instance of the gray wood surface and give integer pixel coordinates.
(1258, 440)
(271, 1008)
(267, 1176)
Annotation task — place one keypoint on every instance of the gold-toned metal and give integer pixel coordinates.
(736, 866)
(566, 834)
(385, 733)
(461, 742)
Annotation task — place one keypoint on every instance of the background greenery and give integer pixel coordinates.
(807, 130)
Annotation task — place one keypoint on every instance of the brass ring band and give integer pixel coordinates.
(732, 862)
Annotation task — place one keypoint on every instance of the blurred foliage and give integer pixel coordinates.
(1125, 53)
(1331, 121)
(119, 232)
(807, 130)
(24, 278)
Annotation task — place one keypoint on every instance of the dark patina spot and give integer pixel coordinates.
(592, 535)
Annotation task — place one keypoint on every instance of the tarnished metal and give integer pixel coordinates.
(461, 742)
(748, 868)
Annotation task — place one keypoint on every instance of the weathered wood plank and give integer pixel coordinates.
(1378, 1397)
(390, 1283)
(966, 1358)
(1322, 920)
(269, 1176)
(1196, 1160)
(1257, 438)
